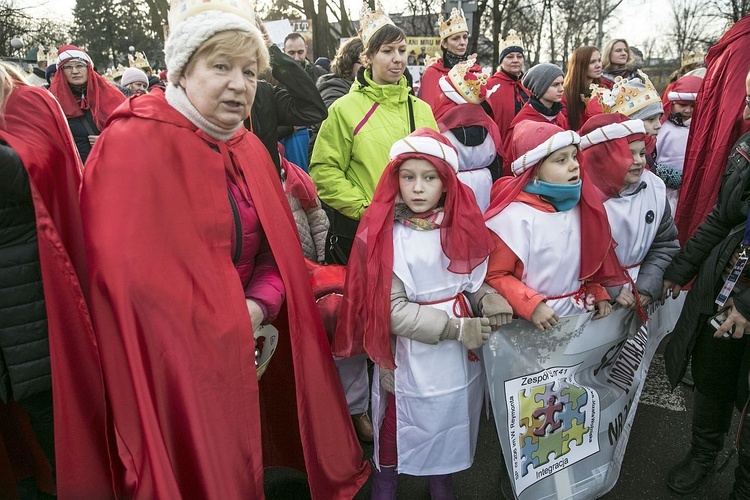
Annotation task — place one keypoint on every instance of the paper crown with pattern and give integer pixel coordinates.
(456, 23)
(693, 58)
(118, 71)
(512, 40)
(179, 10)
(624, 98)
(370, 21)
(51, 56)
(139, 61)
(41, 55)
(430, 60)
(471, 85)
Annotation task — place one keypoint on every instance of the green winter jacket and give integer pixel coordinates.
(352, 147)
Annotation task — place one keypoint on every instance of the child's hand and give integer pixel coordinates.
(496, 309)
(544, 317)
(603, 308)
(626, 298)
(472, 332)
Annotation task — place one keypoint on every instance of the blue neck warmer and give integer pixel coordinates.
(562, 196)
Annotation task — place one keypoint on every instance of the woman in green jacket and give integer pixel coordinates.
(352, 147)
(349, 156)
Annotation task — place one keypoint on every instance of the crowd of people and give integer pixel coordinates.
(201, 271)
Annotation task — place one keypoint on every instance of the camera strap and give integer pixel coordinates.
(739, 266)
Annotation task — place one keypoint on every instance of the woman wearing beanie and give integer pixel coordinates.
(135, 81)
(413, 286)
(617, 60)
(508, 99)
(545, 82)
(584, 69)
(351, 151)
(552, 243)
(454, 42)
(87, 99)
(183, 268)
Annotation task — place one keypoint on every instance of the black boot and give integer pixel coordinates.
(741, 489)
(711, 421)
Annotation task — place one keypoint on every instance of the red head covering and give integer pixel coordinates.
(598, 259)
(606, 154)
(100, 96)
(298, 182)
(364, 323)
(684, 91)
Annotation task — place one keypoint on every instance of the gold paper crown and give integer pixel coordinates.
(139, 61)
(472, 86)
(624, 98)
(179, 10)
(430, 60)
(51, 56)
(118, 71)
(455, 24)
(371, 21)
(41, 55)
(512, 40)
(693, 58)
(108, 74)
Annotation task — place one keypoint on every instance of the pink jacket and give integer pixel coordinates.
(253, 258)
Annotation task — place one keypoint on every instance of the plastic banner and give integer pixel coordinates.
(564, 400)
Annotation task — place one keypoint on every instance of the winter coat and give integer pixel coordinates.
(82, 127)
(331, 87)
(706, 255)
(354, 141)
(312, 226)
(253, 258)
(294, 102)
(25, 359)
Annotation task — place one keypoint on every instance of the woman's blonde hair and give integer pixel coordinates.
(233, 43)
(607, 50)
(11, 76)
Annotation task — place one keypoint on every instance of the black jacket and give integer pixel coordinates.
(295, 102)
(24, 345)
(706, 255)
(82, 127)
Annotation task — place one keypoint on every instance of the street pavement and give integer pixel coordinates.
(659, 439)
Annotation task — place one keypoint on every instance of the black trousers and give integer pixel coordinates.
(39, 408)
(720, 366)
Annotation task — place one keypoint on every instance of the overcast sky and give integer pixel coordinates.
(635, 20)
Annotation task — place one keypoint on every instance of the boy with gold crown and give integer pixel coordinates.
(463, 119)
(454, 42)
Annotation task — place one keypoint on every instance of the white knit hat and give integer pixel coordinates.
(133, 75)
(190, 34)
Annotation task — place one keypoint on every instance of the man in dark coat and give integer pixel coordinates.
(294, 102)
(720, 357)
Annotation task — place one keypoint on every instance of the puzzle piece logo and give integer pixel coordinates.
(552, 416)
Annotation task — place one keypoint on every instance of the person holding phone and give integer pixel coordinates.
(715, 257)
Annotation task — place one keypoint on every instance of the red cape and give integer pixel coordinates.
(174, 333)
(36, 129)
(503, 101)
(716, 126)
(450, 115)
(429, 88)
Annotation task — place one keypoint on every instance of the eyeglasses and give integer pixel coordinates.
(747, 100)
(71, 67)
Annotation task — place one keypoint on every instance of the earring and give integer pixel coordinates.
(536, 181)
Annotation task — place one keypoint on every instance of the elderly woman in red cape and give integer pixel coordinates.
(188, 259)
(85, 96)
(33, 127)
